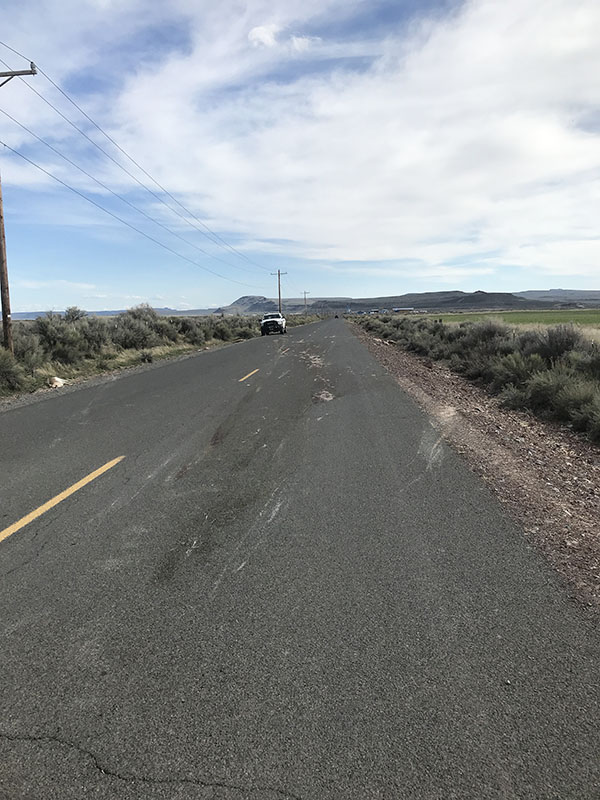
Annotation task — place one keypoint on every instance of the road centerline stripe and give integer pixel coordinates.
(254, 371)
(58, 499)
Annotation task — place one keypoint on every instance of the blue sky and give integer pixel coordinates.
(363, 147)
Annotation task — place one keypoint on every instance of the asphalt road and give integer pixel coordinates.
(287, 588)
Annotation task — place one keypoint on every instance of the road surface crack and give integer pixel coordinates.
(147, 779)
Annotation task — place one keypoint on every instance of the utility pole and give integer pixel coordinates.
(305, 293)
(279, 273)
(6, 326)
(15, 73)
(4, 292)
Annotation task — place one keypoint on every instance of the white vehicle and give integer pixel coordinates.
(272, 323)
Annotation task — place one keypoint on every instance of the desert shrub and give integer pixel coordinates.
(28, 347)
(478, 368)
(141, 327)
(455, 332)
(514, 368)
(246, 333)
(587, 417)
(423, 324)
(165, 329)
(593, 426)
(49, 328)
(421, 342)
(556, 341)
(12, 375)
(95, 333)
(574, 396)
(70, 349)
(191, 330)
(227, 329)
(223, 332)
(555, 372)
(142, 312)
(146, 357)
(586, 362)
(483, 336)
(483, 340)
(488, 330)
(440, 350)
(544, 387)
(386, 331)
(293, 320)
(456, 363)
(372, 324)
(528, 342)
(208, 325)
(132, 331)
(513, 397)
(62, 341)
(74, 314)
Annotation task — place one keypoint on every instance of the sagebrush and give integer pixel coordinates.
(553, 371)
(74, 343)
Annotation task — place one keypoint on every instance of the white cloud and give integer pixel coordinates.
(265, 35)
(467, 140)
(303, 43)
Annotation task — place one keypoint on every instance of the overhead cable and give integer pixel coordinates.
(207, 231)
(123, 221)
(117, 195)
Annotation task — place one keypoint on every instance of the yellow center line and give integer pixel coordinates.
(248, 375)
(58, 499)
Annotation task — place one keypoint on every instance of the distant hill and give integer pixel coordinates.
(447, 301)
(577, 297)
(256, 304)
(430, 301)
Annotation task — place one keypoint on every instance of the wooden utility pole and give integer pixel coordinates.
(6, 322)
(4, 292)
(305, 293)
(279, 273)
(15, 73)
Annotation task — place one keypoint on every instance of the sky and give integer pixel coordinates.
(363, 147)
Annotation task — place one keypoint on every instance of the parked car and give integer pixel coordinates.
(272, 323)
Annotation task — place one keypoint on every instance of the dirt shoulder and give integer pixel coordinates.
(547, 476)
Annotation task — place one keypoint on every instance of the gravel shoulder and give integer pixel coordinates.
(546, 476)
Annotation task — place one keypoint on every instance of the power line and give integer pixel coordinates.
(120, 219)
(16, 52)
(104, 152)
(207, 231)
(216, 236)
(292, 288)
(116, 194)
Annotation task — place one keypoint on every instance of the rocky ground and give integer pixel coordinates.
(547, 476)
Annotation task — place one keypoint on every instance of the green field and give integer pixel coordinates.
(586, 316)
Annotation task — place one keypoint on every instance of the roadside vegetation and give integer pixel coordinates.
(552, 371)
(73, 344)
(578, 316)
